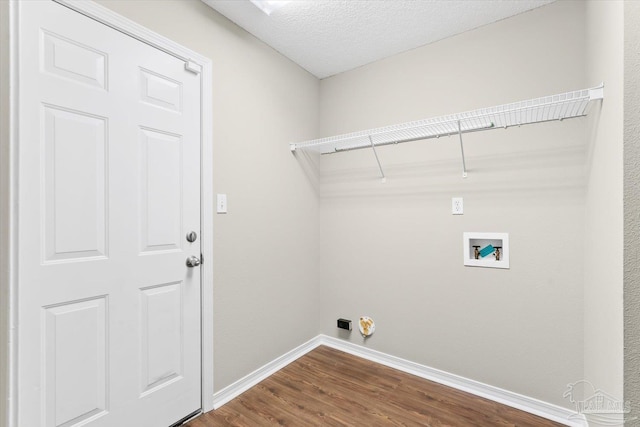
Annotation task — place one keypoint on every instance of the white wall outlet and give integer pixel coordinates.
(222, 203)
(456, 206)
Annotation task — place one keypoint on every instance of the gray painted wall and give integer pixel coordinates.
(393, 251)
(266, 247)
(632, 206)
(603, 246)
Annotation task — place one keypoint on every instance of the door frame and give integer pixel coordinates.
(9, 209)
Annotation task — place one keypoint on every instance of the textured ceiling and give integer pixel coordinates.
(327, 37)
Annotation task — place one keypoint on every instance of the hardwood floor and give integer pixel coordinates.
(327, 387)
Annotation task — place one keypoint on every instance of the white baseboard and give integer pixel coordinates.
(515, 400)
(505, 397)
(243, 384)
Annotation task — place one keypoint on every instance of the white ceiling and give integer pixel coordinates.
(327, 37)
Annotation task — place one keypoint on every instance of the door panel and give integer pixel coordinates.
(109, 187)
(75, 362)
(161, 91)
(161, 190)
(75, 191)
(73, 60)
(162, 334)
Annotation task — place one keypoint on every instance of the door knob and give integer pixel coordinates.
(193, 261)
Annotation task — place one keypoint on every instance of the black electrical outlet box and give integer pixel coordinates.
(344, 324)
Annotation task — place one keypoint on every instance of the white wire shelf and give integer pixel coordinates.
(554, 107)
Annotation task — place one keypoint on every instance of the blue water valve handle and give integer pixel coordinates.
(487, 250)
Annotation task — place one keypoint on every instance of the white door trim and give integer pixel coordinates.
(8, 213)
(9, 152)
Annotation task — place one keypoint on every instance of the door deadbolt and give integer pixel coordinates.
(192, 236)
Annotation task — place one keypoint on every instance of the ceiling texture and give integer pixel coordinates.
(328, 37)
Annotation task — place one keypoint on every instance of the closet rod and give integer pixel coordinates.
(402, 141)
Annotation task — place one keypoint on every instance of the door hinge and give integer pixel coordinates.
(193, 67)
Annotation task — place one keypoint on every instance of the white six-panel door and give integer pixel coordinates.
(109, 186)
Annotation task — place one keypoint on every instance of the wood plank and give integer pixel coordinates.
(327, 387)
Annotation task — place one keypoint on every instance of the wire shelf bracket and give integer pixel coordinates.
(549, 108)
(375, 153)
(464, 164)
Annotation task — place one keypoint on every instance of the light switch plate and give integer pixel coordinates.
(222, 203)
(456, 206)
